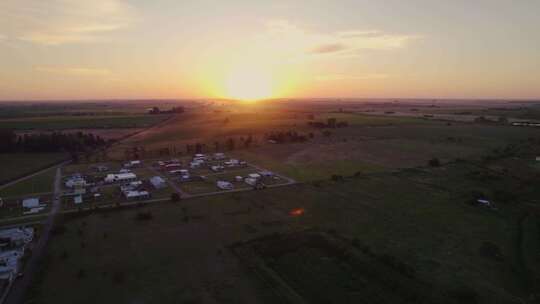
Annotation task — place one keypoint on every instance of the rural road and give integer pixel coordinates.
(21, 285)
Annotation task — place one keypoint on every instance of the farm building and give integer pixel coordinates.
(133, 164)
(78, 200)
(130, 186)
(16, 236)
(30, 202)
(136, 194)
(217, 168)
(219, 156)
(251, 181)
(224, 185)
(120, 177)
(75, 182)
(158, 182)
(254, 176)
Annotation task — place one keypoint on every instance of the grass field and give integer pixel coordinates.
(18, 164)
(40, 183)
(81, 122)
(118, 249)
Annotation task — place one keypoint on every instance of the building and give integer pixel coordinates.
(224, 185)
(30, 203)
(120, 177)
(78, 199)
(16, 236)
(251, 181)
(133, 164)
(217, 168)
(254, 176)
(266, 173)
(158, 182)
(131, 186)
(238, 178)
(75, 182)
(136, 195)
(219, 156)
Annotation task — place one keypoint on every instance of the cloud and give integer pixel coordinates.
(293, 39)
(328, 48)
(341, 77)
(55, 22)
(74, 71)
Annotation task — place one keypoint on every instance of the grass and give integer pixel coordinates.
(18, 164)
(81, 122)
(40, 183)
(386, 212)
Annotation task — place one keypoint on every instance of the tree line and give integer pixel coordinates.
(49, 142)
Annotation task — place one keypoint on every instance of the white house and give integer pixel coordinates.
(158, 182)
(254, 175)
(30, 202)
(238, 178)
(217, 168)
(251, 181)
(133, 163)
(136, 194)
(120, 177)
(219, 156)
(224, 185)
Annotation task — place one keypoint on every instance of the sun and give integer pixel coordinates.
(249, 84)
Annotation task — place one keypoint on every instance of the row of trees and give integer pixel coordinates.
(174, 110)
(288, 136)
(49, 142)
(330, 123)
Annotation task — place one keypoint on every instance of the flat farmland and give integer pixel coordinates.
(18, 164)
(193, 240)
(81, 122)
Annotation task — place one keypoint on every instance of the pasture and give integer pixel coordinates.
(19, 164)
(468, 253)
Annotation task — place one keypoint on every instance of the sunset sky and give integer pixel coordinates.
(249, 49)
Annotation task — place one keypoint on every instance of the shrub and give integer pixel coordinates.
(144, 216)
(175, 197)
(434, 162)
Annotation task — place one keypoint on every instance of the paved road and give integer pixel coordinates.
(17, 292)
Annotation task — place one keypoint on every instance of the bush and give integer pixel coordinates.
(337, 178)
(144, 216)
(434, 162)
(175, 197)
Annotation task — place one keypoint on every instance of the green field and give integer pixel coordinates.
(40, 183)
(19, 164)
(81, 122)
(390, 223)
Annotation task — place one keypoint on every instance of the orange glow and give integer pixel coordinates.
(297, 212)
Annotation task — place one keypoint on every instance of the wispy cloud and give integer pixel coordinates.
(54, 22)
(293, 38)
(341, 77)
(74, 71)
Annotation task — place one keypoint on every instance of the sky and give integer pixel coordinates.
(251, 49)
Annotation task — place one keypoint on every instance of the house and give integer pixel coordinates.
(124, 170)
(30, 203)
(217, 168)
(9, 264)
(78, 199)
(17, 236)
(136, 194)
(158, 182)
(219, 156)
(266, 173)
(133, 164)
(185, 178)
(238, 178)
(224, 185)
(254, 176)
(120, 177)
(484, 202)
(76, 182)
(102, 168)
(130, 186)
(251, 181)
(34, 210)
(538, 158)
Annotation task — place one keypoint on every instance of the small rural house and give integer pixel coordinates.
(133, 164)
(30, 203)
(136, 194)
(224, 185)
(158, 182)
(120, 177)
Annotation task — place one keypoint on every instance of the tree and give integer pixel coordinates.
(434, 162)
(175, 197)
